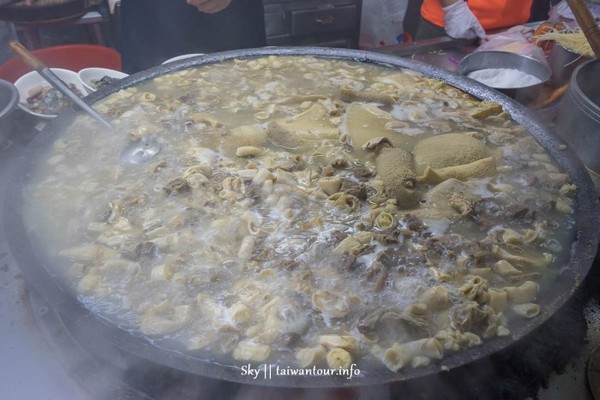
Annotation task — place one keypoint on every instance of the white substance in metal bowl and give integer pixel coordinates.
(504, 78)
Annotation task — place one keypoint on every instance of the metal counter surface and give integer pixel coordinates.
(443, 52)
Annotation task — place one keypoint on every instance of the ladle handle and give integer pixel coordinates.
(587, 23)
(46, 73)
(26, 56)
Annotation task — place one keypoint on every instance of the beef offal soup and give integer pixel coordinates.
(305, 212)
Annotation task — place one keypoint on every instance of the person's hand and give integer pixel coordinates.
(460, 23)
(209, 6)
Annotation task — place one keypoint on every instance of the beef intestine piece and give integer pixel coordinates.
(448, 150)
(395, 168)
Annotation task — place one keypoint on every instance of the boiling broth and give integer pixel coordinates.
(305, 211)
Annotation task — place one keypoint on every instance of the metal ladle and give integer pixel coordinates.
(28, 58)
(135, 153)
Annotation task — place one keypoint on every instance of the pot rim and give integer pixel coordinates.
(590, 108)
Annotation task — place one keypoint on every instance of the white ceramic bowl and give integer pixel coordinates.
(182, 57)
(32, 81)
(87, 76)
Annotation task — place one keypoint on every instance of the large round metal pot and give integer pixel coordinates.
(578, 120)
(98, 330)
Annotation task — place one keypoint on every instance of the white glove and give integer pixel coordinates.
(460, 23)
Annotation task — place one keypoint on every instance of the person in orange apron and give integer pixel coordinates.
(472, 18)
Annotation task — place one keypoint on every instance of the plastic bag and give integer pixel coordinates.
(514, 40)
(381, 22)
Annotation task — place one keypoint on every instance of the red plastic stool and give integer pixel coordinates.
(71, 56)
